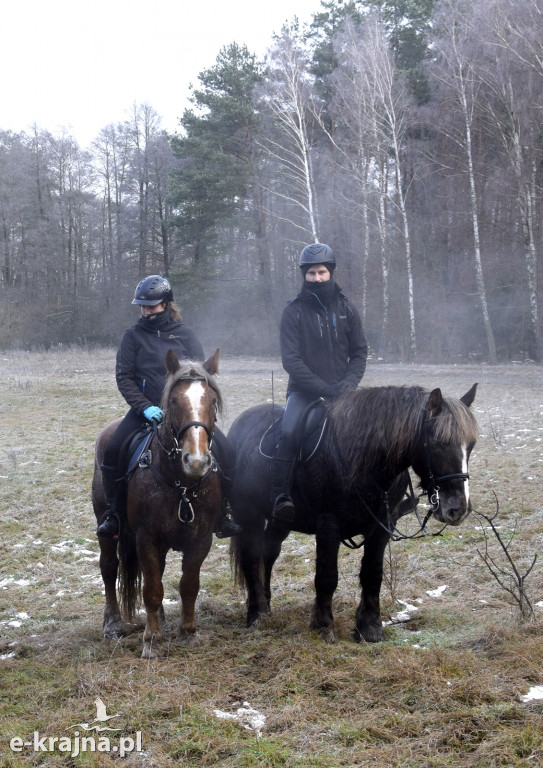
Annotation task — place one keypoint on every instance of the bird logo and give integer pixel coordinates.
(102, 717)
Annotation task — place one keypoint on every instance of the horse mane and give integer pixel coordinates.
(373, 423)
(191, 369)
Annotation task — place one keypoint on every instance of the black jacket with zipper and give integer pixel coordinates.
(141, 358)
(323, 349)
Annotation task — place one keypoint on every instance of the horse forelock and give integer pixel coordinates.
(377, 422)
(455, 423)
(190, 369)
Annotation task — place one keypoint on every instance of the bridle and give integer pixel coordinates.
(432, 492)
(177, 434)
(433, 482)
(187, 494)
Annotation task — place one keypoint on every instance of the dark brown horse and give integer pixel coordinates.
(173, 501)
(351, 486)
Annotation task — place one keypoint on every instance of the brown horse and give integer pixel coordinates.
(173, 500)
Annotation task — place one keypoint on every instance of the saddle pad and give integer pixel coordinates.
(312, 432)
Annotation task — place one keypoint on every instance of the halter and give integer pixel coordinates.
(433, 482)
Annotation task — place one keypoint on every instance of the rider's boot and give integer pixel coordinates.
(283, 507)
(225, 526)
(109, 525)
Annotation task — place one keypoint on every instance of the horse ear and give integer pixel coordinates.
(469, 397)
(172, 362)
(212, 363)
(435, 402)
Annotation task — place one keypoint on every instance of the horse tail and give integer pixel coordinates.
(129, 574)
(235, 563)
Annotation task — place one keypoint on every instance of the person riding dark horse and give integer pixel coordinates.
(324, 352)
(141, 375)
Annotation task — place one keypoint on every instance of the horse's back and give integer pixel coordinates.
(247, 429)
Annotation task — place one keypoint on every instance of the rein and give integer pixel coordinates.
(391, 529)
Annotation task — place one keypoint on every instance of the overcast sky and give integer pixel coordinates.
(82, 65)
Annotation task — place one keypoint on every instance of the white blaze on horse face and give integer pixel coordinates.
(465, 471)
(195, 394)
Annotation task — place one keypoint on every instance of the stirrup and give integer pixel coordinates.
(283, 509)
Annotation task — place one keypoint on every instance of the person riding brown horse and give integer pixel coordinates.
(141, 374)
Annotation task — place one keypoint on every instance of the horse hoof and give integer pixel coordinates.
(369, 635)
(189, 640)
(328, 635)
(255, 617)
(113, 630)
(149, 652)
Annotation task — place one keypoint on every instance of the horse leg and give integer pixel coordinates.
(152, 565)
(189, 586)
(326, 578)
(273, 540)
(109, 565)
(249, 546)
(164, 623)
(369, 626)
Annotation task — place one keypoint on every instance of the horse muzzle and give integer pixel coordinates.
(450, 509)
(196, 464)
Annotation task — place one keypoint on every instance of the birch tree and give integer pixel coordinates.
(453, 69)
(378, 112)
(514, 75)
(288, 99)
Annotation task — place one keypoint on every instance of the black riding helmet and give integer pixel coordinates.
(317, 253)
(153, 290)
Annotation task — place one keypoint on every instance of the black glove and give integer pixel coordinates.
(343, 386)
(330, 391)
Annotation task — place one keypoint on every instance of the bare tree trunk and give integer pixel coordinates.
(288, 100)
(491, 344)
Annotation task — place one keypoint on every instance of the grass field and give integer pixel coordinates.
(449, 687)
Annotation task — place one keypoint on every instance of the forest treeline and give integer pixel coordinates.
(407, 134)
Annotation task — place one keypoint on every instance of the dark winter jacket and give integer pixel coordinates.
(323, 348)
(141, 367)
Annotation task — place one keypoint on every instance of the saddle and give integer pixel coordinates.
(134, 449)
(310, 429)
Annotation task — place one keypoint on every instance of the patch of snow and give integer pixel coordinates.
(403, 615)
(437, 592)
(62, 546)
(247, 717)
(535, 693)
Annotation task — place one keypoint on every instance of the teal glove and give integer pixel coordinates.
(153, 412)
